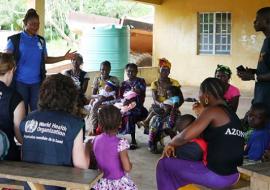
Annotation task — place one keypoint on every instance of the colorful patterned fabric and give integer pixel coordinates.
(122, 145)
(158, 124)
(224, 69)
(163, 62)
(161, 92)
(125, 183)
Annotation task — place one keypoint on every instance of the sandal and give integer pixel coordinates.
(141, 124)
(133, 146)
(154, 150)
(146, 131)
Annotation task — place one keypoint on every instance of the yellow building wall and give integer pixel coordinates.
(175, 37)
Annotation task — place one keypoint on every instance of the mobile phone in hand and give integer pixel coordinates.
(191, 100)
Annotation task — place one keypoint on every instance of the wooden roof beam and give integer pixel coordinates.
(157, 2)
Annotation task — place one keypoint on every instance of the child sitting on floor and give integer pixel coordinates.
(259, 139)
(194, 150)
(111, 152)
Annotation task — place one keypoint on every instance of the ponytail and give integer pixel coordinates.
(31, 13)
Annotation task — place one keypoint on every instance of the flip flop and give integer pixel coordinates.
(140, 124)
(133, 146)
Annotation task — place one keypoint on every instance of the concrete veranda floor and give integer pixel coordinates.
(144, 162)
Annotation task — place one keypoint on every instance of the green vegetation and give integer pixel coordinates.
(12, 13)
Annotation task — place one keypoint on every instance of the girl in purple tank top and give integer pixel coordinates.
(111, 152)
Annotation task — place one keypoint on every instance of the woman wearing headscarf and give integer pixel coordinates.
(159, 89)
(232, 93)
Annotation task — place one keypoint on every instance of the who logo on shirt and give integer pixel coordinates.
(31, 126)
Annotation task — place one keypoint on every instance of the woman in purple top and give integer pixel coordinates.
(111, 152)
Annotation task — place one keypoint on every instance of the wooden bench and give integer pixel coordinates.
(38, 175)
(241, 185)
(259, 175)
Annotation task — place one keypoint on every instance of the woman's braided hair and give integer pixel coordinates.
(213, 86)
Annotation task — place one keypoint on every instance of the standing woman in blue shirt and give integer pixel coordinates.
(30, 52)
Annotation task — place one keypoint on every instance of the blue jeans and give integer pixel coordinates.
(30, 93)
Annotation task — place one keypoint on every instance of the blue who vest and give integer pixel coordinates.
(48, 138)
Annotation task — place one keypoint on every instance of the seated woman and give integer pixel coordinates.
(12, 106)
(130, 118)
(159, 89)
(53, 135)
(100, 81)
(232, 93)
(79, 77)
(221, 130)
(99, 84)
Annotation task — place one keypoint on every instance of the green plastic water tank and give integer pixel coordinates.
(106, 43)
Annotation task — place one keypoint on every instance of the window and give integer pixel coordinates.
(215, 33)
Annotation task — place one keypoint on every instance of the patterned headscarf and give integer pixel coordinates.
(224, 69)
(163, 62)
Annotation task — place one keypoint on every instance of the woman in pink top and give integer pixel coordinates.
(232, 93)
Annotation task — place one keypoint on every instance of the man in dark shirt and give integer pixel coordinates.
(261, 75)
